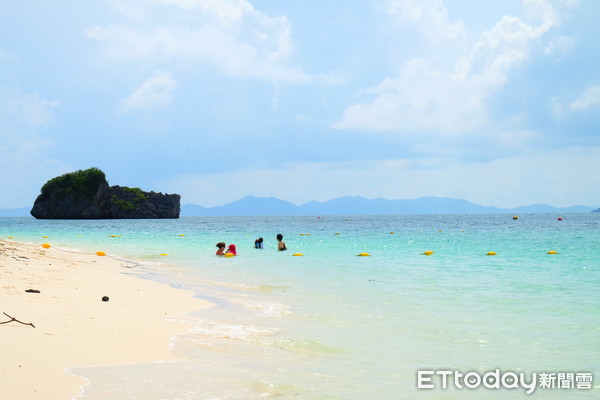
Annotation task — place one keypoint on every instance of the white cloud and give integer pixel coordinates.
(423, 98)
(429, 16)
(155, 93)
(4, 56)
(229, 35)
(561, 45)
(559, 177)
(24, 145)
(29, 109)
(25, 156)
(588, 99)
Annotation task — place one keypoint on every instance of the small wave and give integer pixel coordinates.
(302, 345)
(230, 331)
(268, 389)
(266, 309)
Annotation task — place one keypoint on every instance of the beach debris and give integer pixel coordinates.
(104, 298)
(13, 319)
(32, 291)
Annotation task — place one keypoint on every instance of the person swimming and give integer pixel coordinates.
(258, 243)
(220, 248)
(231, 250)
(281, 244)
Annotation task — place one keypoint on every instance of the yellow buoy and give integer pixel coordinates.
(10, 237)
(552, 252)
(515, 218)
(428, 253)
(337, 233)
(163, 254)
(228, 255)
(45, 237)
(100, 253)
(298, 254)
(181, 235)
(46, 245)
(363, 255)
(391, 233)
(113, 235)
(491, 253)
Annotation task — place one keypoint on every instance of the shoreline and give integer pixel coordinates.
(73, 326)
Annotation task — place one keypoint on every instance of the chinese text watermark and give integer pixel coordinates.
(497, 379)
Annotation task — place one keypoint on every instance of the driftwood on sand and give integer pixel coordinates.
(13, 319)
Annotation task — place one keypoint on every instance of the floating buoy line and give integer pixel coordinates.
(101, 253)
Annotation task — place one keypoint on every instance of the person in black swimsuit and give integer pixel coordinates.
(281, 244)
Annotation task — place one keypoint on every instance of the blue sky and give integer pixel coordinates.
(495, 102)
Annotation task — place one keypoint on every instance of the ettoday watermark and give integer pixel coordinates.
(497, 379)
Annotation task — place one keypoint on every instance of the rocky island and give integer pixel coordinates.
(85, 194)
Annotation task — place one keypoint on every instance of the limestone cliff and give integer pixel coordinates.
(86, 195)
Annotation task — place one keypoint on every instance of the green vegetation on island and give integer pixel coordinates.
(81, 184)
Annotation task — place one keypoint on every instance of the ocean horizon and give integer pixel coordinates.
(329, 324)
(350, 205)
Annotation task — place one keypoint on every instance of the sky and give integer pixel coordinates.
(496, 102)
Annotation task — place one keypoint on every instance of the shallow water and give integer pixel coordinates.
(331, 325)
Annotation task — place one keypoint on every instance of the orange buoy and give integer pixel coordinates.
(46, 245)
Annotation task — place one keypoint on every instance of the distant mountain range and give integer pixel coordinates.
(354, 205)
(357, 205)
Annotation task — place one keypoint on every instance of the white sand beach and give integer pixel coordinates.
(73, 326)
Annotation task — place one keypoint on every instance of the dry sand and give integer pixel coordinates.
(73, 326)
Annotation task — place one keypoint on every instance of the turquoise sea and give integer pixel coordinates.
(332, 325)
